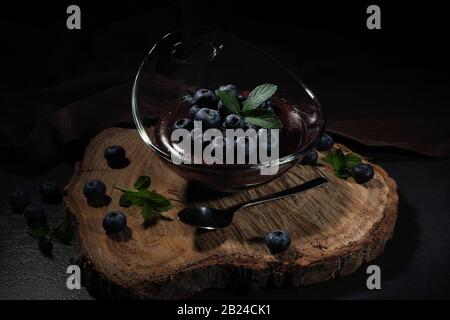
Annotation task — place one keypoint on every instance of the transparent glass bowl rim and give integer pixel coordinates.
(167, 156)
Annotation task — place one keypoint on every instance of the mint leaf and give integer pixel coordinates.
(148, 213)
(143, 182)
(337, 161)
(38, 230)
(152, 204)
(259, 95)
(342, 163)
(230, 101)
(159, 202)
(351, 160)
(263, 118)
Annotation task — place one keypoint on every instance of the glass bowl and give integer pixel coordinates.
(186, 60)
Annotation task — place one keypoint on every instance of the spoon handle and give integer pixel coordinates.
(284, 193)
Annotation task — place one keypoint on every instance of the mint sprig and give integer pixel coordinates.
(342, 163)
(152, 204)
(46, 234)
(251, 112)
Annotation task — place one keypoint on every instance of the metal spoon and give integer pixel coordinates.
(209, 218)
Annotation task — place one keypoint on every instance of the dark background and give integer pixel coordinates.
(400, 70)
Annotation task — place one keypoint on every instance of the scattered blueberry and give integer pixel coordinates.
(310, 157)
(94, 190)
(185, 123)
(223, 110)
(233, 121)
(205, 97)
(278, 241)
(193, 111)
(116, 157)
(325, 142)
(50, 192)
(230, 88)
(114, 222)
(209, 118)
(362, 172)
(114, 153)
(34, 214)
(18, 200)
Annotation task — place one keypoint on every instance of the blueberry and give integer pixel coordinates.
(267, 105)
(94, 190)
(114, 153)
(310, 157)
(205, 97)
(34, 214)
(362, 172)
(233, 121)
(209, 118)
(223, 110)
(193, 111)
(18, 200)
(50, 192)
(184, 123)
(114, 222)
(278, 241)
(325, 142)
(230, 88)
(241, 98)
(189, 100)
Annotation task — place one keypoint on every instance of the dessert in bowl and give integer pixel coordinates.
(200, 76)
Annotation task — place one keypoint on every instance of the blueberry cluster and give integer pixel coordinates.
(207, 107)
(20, 201)
(361, 172)
(95, 192)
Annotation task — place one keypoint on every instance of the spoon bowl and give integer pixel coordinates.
(210, 218)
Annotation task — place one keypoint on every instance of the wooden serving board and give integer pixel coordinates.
(334, 229)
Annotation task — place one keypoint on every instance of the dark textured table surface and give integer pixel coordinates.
(415, 264)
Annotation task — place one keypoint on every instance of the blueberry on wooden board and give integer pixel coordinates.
(325, 142)
(362, 172)
(114, 222)
(94, 189)
(278, 241)
(310, 157)
(115, 155)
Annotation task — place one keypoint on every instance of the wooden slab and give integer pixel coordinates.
(334, 229)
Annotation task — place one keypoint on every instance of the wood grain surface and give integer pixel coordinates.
(334, 229)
